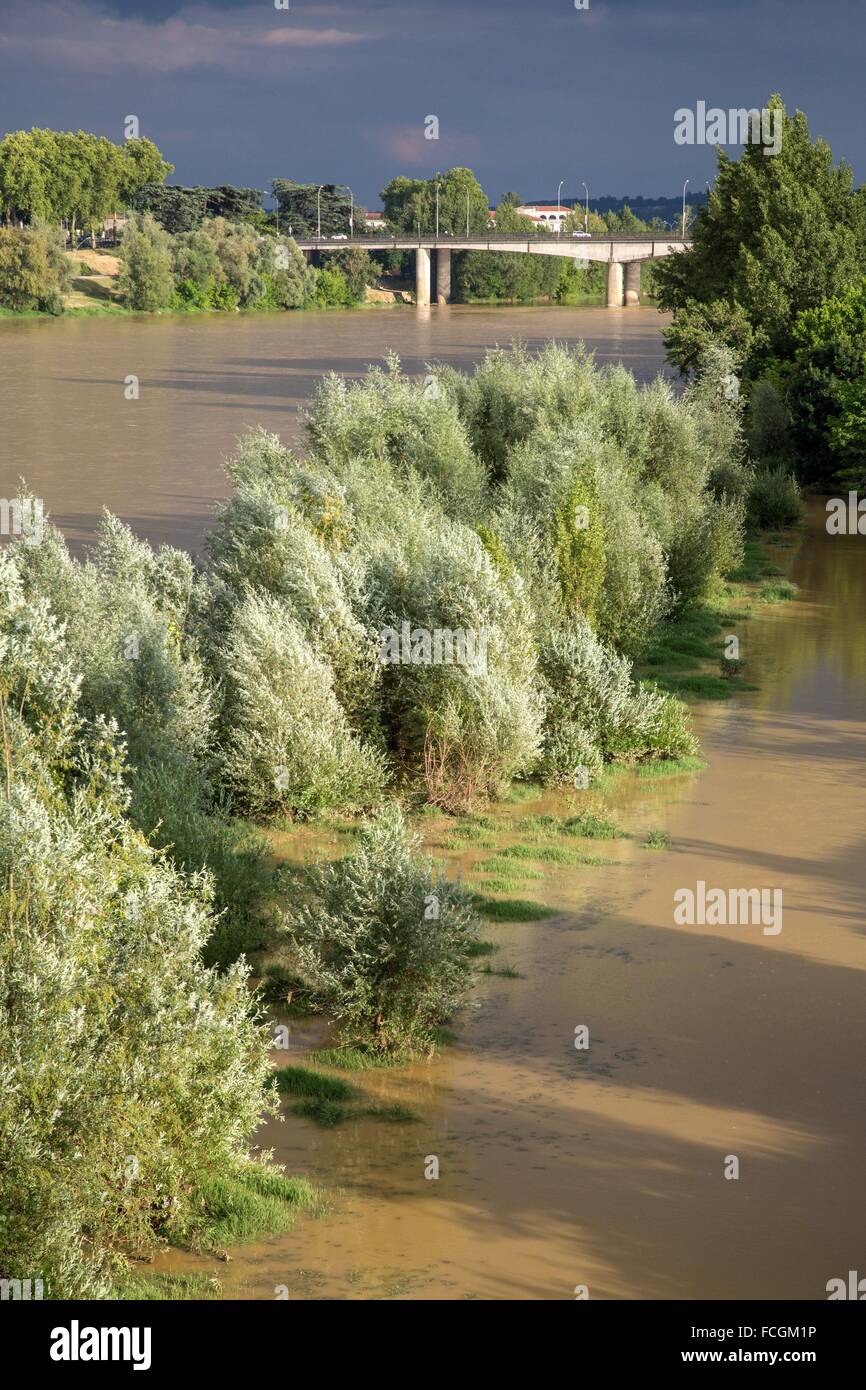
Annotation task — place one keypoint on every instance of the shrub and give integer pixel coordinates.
(382, 943)
(397, 422)
(579, 547)
(769, 425)
(286, 745)
(130, 1071)
(194, 261)
(596, 711)
(267, 545)
(146, 280)
(33, 270)
(331, 290)
(775, 499)
(468, 726)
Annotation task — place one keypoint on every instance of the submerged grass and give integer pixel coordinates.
(325, 1113)
(360, 1058)
(304, 1081)
(174, 1288)
(512, 909)
(252, 1201)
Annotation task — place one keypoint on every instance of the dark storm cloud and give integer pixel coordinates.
(527, 92)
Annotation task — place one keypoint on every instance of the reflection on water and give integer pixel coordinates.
(67, 428)
(606, 1167)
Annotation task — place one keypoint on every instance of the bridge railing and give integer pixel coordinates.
(519, 239)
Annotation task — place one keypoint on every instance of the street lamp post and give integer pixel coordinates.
(685, 186)
(467, 215)
(437, 211)
(319, 212)
(586, 214)
(559, 207)
(351, 212)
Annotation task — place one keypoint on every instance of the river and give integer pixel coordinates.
(68, 428)
(605, 1169)
(558, 1168)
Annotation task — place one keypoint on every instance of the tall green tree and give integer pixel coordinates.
(780, 233)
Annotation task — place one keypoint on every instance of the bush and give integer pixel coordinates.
(286, 745)
(33, 270)
(775, 500)
(769, 425)
(596, 712)
(382, 944)
(146, 280)
(331, 289)
(389, 419)
(130, 1071)
(468, 726)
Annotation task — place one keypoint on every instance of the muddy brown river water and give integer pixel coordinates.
(557, 1167)
(606, 1168)
(67, 426)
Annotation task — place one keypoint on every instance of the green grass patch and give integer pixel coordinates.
(481, 948)
(393, 1113)
(670, 767)
(657, 839)
(706, 687)
(303, 1081)
(324, 1113)
(756, 565)
(165, 1288)
(519, 792)
(512, 909)
(359, 1058)
(552, 854)
(507, 972)
(251, 1202)
(778, 591)
(507, 868)
(505, 885)
(592, 827)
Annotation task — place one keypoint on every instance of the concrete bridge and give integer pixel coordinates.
(622, 255)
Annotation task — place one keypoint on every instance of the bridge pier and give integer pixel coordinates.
(443, 276)
(632, 284)
(422, 277)
(614, 285)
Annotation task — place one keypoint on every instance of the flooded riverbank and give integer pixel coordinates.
(73, 432)
(605, 1168)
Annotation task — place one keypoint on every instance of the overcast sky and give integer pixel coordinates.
(526, 92)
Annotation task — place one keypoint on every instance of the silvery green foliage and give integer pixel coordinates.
(382, 942)
(411, 426)
(635, 597)
(286, 742)
(469, 729)
(124, 613)
(117, 1044)
(595, 709)
(540, 472)
(512, 392)
(264, 543)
